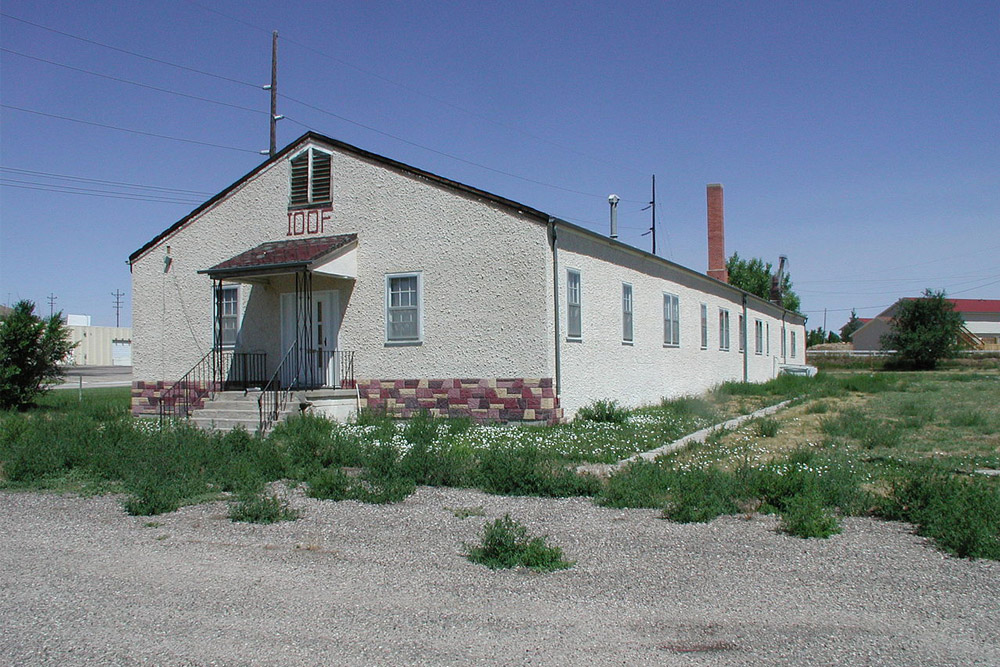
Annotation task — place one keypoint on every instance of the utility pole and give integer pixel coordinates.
(52, 302)
(273, 87)
(118, 294)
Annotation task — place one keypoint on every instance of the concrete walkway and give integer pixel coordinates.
(605, 469)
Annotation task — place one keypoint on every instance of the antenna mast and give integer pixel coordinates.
(653, 206)
(118, 294)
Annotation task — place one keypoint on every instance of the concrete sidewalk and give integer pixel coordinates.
(96, 376)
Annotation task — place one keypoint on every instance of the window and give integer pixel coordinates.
(783, 341)
(573, 296)
(743, 334)
(626, 312)
(723, 329)
(704, 327)
(671, 320)
(767, 337)
(310, 178)
(227, 305)
(793, 345)
(758, 329)
(403, 308)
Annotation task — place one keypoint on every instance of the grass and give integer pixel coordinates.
(898, 445)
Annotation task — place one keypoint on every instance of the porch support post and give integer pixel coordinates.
(217, 335)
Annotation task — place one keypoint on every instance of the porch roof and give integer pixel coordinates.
(275, 257)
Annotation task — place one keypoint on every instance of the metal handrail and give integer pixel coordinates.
(302, 369)
(214, 372)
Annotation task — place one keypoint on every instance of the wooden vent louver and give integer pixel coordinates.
(300, 180)
(321, 177)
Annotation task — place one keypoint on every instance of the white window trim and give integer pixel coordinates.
(704, 326)
(630, 312)
(216, 296)
(723, 329)
(671, 320)
(579, 304)
(310, 151)
(420, 308)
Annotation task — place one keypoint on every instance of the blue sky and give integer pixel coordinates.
(859, 139)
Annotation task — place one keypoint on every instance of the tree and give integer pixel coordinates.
(924, 331)
(30, 349)
(754, 276)
(815, 337)
(853, 324)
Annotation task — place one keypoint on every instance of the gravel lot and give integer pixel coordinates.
(351, 584)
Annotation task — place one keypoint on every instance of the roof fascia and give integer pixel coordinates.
(759, 304)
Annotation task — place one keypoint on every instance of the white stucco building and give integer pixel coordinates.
(329, 266)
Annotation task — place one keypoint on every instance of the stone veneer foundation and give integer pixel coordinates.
(147, 396)
(482, 399)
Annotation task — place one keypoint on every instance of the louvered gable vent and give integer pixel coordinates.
(321, 177)
(300, 179)
(310, 178)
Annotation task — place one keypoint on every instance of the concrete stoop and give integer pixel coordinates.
(231, 409)
(228, 410)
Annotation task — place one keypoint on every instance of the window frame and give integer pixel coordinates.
(218, 334)
(758, 330)
(794, 351)
(419, 308)
(628, 312)
(311, 201)
(671, 320)
(742, 333)
(574, 316)
(724, 329)
(704, 326)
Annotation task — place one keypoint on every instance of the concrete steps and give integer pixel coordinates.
(231, 409)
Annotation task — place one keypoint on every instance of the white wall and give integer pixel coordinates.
(482, 318)
(601, 366)
(94, 344)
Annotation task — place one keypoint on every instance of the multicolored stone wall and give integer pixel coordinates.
(482, 399)
(147, 396)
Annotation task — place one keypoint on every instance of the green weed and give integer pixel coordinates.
(257, 507)
(506, 544)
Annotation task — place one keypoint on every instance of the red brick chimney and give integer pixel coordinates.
(716, 235)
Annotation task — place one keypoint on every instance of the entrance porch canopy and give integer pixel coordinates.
(334, 256)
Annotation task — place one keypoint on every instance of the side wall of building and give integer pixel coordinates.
(601, 365)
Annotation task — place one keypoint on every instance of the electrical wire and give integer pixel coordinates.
(124, 129)
(131, 53)
(50, 175)
(12, 183)
(135, 83)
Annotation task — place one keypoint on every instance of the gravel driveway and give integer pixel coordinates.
(351, 584)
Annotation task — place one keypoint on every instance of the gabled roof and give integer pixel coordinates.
(346, 148)
(280, 255)
(976, 305)
(509, 204)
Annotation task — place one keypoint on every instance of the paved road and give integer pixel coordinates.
(96, 376)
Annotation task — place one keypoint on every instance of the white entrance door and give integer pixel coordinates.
(319, 363)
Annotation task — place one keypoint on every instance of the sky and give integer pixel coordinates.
(859, 139)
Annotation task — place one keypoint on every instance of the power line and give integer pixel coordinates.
(131, 53)
(7, 183)
(124, 129)
(46, 174)
(417, 91)
(437, 152)
(134, 83)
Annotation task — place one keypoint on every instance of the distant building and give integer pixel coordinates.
(98, 346)
(981, 329)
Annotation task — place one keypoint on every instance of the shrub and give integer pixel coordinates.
(700, 495)
(506, 544)
(30, 351)
(961, 516)
(261, 508)
(924, 331)
(805, 515)
(640, 484)
(330, 484)
(603, 411)
(526, 470)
